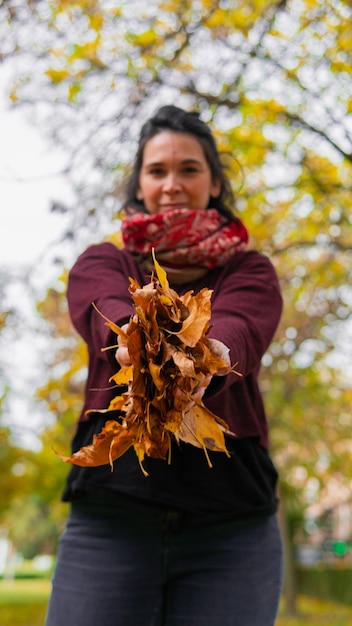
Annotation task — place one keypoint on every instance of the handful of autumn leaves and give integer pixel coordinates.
(172, 361)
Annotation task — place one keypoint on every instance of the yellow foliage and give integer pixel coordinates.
(96, 21)
(172, 6)
(217, 18)
(57, 76)
(116, 239)
(73, 91)
(114, 11)
(144, 40)
(13, 96)
(86, 6)
(86, 51)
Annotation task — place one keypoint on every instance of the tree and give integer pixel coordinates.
(10, 453)
(25, 493)
(104, 69)
(273, 80)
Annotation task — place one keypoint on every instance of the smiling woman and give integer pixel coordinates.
(175, 174)
(184, 527)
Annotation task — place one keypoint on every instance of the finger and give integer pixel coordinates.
(122, 356)
(122, 341)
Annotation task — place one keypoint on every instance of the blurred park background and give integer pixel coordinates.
(273, 79)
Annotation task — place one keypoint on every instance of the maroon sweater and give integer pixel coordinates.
(246, 308)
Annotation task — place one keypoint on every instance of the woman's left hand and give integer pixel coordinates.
(122, 354)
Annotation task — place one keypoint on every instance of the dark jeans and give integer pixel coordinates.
(147, 567)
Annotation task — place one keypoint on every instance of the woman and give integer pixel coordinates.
(189, 544)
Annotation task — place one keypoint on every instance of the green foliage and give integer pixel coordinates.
(31, 509)
(62, 392)
(32, 526)
(311, 611)
(10, 461)
(31, 482)
(326, 582)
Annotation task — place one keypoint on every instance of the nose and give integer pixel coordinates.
(171, 183)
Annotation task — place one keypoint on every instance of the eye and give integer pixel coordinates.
(190, 169)
(156, 171)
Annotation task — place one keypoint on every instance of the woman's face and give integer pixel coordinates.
(175, 174)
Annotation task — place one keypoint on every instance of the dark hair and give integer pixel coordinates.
(176, 120)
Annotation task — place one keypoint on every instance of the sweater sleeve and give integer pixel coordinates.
(246, 310)
(100, 275)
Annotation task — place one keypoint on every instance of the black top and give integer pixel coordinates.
(240, 486)
(245, 309)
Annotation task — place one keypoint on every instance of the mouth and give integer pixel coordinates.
(176, 205)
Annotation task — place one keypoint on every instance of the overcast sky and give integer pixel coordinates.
(28, 182)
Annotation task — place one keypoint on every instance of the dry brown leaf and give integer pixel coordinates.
(113, 441)
(172, 360)
(123, 376)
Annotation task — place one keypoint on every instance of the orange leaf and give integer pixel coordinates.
(200, 427)
(184, 363)
(114, 327)
(123, 376)
(113, 441)
(195, 324)
(172, 361)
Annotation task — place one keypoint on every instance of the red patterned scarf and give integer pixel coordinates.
(184, 238)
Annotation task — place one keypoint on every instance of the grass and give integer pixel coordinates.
(23, 603)
(313, 611)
